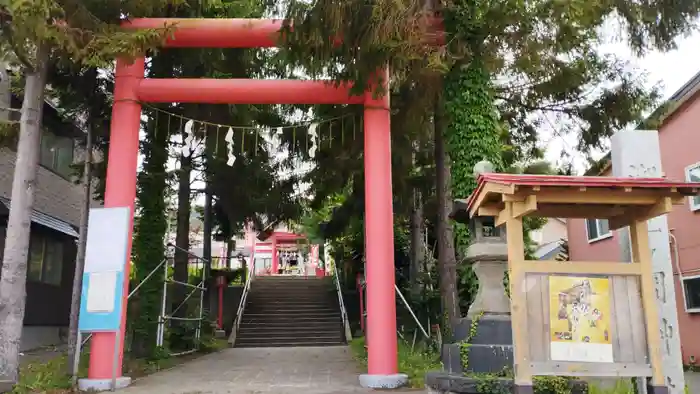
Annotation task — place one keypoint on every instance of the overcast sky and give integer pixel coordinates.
(671, 69)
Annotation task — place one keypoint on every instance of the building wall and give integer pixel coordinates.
(554, 230)
(680, 148)
(47, 306)
(606, 249)
(580, 249)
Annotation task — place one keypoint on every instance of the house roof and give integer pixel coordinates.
(685, 188)
(680, 96)
(53, 195)
(574, 196)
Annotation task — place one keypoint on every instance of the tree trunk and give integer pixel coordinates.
(230, 245)
(13, 275)
(80, 256)
(182, 241)
(417, 246)
(447, 262)
(206, 247)
(5, 93)
(153, 223)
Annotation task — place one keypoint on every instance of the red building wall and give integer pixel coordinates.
(680, 147)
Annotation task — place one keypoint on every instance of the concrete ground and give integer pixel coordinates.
(305, 370)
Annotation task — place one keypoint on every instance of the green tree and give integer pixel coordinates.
(508, 66)
(87, 33)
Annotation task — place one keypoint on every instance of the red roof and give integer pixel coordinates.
(685, 188)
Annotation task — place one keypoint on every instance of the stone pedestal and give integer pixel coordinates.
(484, 339)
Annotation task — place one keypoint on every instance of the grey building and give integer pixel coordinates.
(54, 230)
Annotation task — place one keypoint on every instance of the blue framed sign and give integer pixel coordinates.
(101, 301)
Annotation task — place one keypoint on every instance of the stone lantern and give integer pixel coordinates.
(487, 326)
(488, 255)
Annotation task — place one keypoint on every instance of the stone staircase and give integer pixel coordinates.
(287, 311)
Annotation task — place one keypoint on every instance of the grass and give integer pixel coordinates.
(414, 363)
(50, 377)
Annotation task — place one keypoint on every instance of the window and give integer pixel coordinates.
(692, 174)
(57, 154)
(691, 293)
(45, 260)
(597, 229)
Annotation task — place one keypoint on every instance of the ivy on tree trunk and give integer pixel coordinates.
(149, 248)
(447, 263)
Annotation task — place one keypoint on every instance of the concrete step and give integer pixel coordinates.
(268, 341)
(309, 325)
(291, 303)
(273, 309)
(290, 344)
(292, 334)
(312, 329)
(302, 322)
(285, 314)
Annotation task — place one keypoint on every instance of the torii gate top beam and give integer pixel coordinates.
(214, 33)
(235, 32)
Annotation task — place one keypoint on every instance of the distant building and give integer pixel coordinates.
(592, 240)
(54, 230)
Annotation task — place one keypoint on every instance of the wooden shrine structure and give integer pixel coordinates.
(581, 318)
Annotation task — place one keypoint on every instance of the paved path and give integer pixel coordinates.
(309, 370)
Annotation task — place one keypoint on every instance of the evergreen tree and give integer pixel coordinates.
(83, 32)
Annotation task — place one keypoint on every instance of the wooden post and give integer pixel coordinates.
(516, 256)
(641, 254)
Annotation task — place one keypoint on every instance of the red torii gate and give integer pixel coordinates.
(132, 88)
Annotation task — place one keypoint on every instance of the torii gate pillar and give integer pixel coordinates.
(131, 89)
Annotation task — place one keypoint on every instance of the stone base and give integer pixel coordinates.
(219, 334)
(651, 389)
(490, 348)
(6, 386)
(383, 381)
(490, 330)
(523, 389)
(443, 382)
(103, 384)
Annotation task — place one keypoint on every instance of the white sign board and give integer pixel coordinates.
(107, 240)
(637, 154)
(101, 292)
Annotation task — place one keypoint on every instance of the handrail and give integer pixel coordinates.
(341, 302)
(411, 311)
(131, 293)
(241, 304)
(177, 248)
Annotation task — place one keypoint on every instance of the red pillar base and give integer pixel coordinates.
(383, 381)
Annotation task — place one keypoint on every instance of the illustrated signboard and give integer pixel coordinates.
(103, 278)
(580, 319)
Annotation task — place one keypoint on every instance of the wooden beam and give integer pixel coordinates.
(600, 211)
(489, 210)
(489, 188)
(565, 368)
(504, 215)
(641, 255)
(580, 267)
(524, 208)
(518, 300)
(663, 206)
(594, 196)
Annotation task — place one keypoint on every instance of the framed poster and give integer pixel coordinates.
(579, 319)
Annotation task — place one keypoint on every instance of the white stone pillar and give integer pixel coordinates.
(638, 154)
